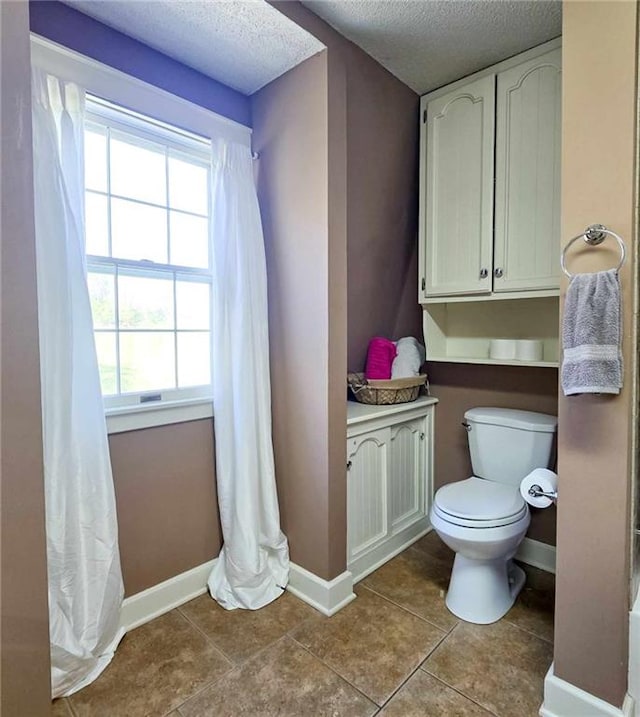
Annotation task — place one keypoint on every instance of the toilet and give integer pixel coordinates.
(484, 518)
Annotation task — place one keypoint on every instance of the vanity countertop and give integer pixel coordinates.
(359, 412)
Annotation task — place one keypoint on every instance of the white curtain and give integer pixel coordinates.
(85, 580)
(253, 566)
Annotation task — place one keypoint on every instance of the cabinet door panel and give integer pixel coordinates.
(528, 175)
(407, 473)
(459, 191)
(366, 491)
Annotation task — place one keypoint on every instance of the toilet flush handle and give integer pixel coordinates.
(466, 426)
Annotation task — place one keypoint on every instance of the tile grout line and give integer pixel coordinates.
(444, 682)
(235, 666)
(420, 617)
(451, 687)
(528, 632)
(459, 692)
(207, 637)
(212, 682)
(199, 692)
(413, 672)
(355, 687)
(335, 672)
(69, 705)
(411, 612)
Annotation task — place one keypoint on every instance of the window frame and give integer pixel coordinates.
(168, 111)
(118, 123)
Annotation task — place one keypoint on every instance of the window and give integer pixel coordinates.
(148, 256)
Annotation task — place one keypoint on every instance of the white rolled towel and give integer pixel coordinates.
(410, 355)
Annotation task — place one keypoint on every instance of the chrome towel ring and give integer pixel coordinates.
(594, 235)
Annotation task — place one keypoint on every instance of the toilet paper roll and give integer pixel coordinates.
(548, 482)
(502, 349)
(529, 350)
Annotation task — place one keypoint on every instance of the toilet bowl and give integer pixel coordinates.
(484, 518)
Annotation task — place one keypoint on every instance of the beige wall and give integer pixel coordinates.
(291, 135)
(370, 156)
(164, 481)
(382, 246)
(24, 629)
(460, 387)
(598, 175)
(382, 192)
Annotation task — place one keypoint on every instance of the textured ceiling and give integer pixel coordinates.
(428, 43)
(242, 43)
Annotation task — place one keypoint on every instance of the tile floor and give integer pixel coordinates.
(395, 652)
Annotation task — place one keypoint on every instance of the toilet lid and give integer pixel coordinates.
(480, 500)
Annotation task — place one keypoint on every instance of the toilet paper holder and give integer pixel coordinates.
(535, 491)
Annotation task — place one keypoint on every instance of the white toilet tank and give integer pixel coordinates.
(507, 444)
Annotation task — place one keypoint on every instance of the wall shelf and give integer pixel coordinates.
(461, 332)
(492, 362)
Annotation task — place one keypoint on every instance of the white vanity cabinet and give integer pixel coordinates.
(389, 480)
(510, 111)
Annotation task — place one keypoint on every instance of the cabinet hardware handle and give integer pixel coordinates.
(348, 465)
(484, 273)
(422, 435)
(423, 284)
(498, 273)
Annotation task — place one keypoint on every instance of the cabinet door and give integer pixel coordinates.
(459, 190)
(367, 487)
(528, 175)
(407, 473)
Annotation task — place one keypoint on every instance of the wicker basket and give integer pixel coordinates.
(396, 390)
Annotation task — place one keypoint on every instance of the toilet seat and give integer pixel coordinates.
(478, 503)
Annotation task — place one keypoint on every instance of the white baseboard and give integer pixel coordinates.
(367, 563)
(634, 652)
(327, 596)
(159, 599)
(540, 555)
(562, 699)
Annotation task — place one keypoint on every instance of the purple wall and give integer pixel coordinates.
(79, 32)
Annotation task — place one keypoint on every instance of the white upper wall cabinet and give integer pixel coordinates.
(462, 252)
(459, 190)
(527, 228)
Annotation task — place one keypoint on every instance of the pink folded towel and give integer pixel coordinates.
(380, 355)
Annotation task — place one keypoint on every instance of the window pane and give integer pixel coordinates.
(138, 172)
(106, 351)
(103, 298)
(189, 240)
(192, 305)
(147, 361)
(95, 159)
(145, 302)
(194, 359)
(96, 224)
(188, 187)
(138, 231)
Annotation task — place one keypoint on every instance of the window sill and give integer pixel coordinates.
(135, 418)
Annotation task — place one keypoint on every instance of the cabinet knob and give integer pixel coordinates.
(484, 273)
(349, 465)
(422, 436)
(498, 273)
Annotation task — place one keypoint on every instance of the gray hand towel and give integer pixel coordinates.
(592, 361)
